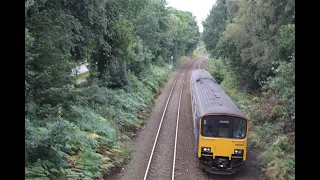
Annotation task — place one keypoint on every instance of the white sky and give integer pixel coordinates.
(199, 8)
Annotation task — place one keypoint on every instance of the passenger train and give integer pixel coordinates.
(221, 130)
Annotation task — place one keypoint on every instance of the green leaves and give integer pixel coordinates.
(259, 35)
(90, 119)
(217, 69)
(258, 48)
(215, 24)
(71, 127)
(278, 164)
(286, 41)
(167, 31)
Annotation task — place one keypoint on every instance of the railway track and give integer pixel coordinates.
(199, 65)
(220, 177)
(161, 164)
(164, 148)
(163, 155)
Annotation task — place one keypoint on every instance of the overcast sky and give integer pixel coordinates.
(199, 8)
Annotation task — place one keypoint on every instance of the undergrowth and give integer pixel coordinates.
(86, 130)
(271, 117)
(200, 50)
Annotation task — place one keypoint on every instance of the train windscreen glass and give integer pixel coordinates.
(223, 126)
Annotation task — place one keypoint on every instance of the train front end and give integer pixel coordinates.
(222, 143)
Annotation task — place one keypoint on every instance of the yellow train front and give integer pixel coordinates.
(220, 128)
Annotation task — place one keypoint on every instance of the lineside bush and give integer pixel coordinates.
(85, 131)
(271, 117)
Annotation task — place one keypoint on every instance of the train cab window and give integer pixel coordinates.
(207, 127)
(223, 128)
(239, 128)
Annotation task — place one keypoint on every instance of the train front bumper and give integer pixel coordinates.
(221, 171)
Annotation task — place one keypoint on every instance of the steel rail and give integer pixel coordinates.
(163, 114)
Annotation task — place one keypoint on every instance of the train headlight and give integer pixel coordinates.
(206, 149)
(238, 151)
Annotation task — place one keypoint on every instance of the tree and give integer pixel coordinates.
(215, 24)
(251, 38)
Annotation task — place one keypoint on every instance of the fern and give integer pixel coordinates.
(78, 135)
(278, 162)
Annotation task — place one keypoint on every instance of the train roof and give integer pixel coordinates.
(211, 99)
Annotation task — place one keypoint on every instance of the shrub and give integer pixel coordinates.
(76, 132)
(216, 69)
(278, 159)
(271, 117)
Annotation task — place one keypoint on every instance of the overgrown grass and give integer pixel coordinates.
(271, 128)
(76, 78)
(181, 60)
(83, 75)
(86, 131)
(200, 50)
(178, 62)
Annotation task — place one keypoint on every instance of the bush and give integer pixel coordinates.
(76, 132)
(216, 69)
(182, 59)
(200, 50)
(278, 159)
(283, 84)
(271, 117)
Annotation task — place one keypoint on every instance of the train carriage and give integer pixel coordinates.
(220, 128)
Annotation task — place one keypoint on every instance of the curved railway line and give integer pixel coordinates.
(152, 172)
(163, 155)
(165, 147)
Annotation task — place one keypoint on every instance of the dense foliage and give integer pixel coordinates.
(215, 24)
(81, 131)
(259, 37)
(253, 54)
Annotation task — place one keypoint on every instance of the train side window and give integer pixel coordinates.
(208, 127)
(239, 128)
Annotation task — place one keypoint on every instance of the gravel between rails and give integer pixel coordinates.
(186, 161)
(161, 164)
